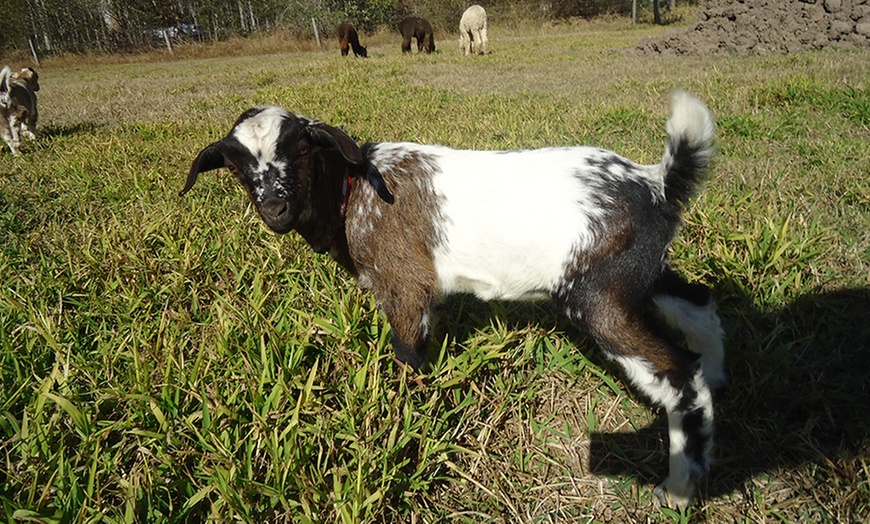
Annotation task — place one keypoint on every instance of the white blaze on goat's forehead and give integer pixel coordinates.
(259, 135)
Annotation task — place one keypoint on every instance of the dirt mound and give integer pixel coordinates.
(763, 26)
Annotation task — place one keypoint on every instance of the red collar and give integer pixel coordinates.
(345, 191)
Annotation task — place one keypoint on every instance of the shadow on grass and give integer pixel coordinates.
(64, 131)
(799, 395)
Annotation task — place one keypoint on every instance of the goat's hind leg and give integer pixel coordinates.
(690, 309)
(670, 376)
(6, 134)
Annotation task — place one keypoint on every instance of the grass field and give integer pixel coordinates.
(167, 359)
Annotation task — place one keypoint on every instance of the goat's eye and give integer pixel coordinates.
(233, 169)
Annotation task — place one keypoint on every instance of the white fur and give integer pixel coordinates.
(678, 488)
(473, 31)
(658, 389)
(260, 136)
(691, 119)
(5, 75)
(703, 331)
(510, 226)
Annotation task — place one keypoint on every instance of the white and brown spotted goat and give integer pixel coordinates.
(18, 111)
(579, 225)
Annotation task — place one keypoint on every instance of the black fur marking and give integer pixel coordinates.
(646, 231)
(688, 397)
(608, 160)
(672, 284)
(684, 175)
(696, 437)
(405, 353)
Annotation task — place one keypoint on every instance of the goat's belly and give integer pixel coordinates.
(521, 277)
(491, 290)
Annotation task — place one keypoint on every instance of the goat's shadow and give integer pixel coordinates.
(46, 134)
(799, 391)
(61, 131)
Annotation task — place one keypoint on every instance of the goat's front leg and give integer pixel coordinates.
(28, 129)
(409, 314)
(15, 139)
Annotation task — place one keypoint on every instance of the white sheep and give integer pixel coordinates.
(581, 226)
(472, 31)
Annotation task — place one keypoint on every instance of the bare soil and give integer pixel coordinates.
(764, 26)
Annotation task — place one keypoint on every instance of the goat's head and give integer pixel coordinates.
(278, 157)
(29, 77)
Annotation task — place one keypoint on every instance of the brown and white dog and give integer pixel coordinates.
(18, 112)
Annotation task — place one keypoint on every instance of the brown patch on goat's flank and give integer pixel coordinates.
(625, 332)
(619, 232)
(611, 308)
(398, 262)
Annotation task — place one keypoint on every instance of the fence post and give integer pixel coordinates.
(316, 33)
(166, 38)
(33, 51)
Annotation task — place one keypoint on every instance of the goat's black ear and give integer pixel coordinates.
(377, 181)
(332, 136)
(208, 159)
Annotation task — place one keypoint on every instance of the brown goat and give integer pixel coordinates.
(348, 37)
(419, 28)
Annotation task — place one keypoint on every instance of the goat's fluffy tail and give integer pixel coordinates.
(689, 148)
(5, 76)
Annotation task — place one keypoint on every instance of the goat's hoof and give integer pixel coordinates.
(675, 498)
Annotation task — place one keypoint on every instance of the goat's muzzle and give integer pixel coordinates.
(277, 214)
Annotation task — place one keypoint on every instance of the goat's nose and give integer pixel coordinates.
(275, 208)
